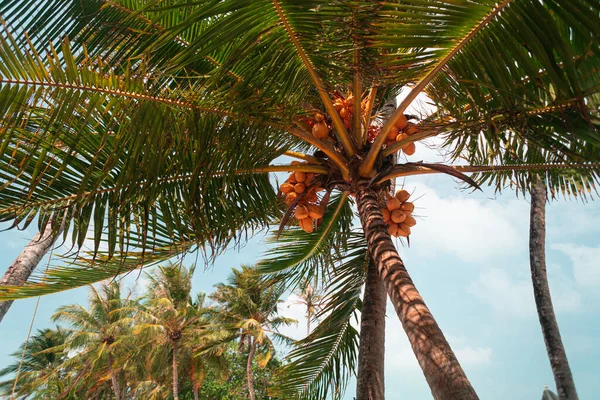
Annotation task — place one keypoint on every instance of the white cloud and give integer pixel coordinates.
(586, 262)
(292, 308)
(514, 295)
(464, 226)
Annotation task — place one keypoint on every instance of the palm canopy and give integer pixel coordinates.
(157, 122)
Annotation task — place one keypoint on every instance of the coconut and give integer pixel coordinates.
(407, 207)
(401, 123)
(320, 130)
(411, 129)
(300, 176)
(398, 216)
(402, 195)
(315, 211)
(393, 229)
(296, 163)
(393, 133)
(400, 136)
(286, 188)
(301, 212)
(386, 214)
(344, 112)
(290, 198)
(409, 149)
(299, 188)
(403, 230)
(307, 225)
(410, 221)
(292, 179)
(393, 204)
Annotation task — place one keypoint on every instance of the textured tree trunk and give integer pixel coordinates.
(565, 385)
(249, 370)
(175, 372)
(370, 383)
(442, 370)
(25, 263)
(113, 376)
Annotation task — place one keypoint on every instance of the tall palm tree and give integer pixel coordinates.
(39, 373)
(167, 117)
(98, 334)
(171, 317)
(248, 305)
(563, 377)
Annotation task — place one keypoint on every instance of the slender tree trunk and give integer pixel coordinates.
(25, 263)
(113, 376)
(195, 390)
(249, 370)
(308, 316)
(370, 382)
(371, 355)
(565, 385)
(175, 372)
(442, 370)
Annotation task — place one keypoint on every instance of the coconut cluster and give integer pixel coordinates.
(401, 130)
(397, 213)
(301, 188)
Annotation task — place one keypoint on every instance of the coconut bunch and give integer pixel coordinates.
(397, 213)
(300, 191)
(344, 106)
(401, 130)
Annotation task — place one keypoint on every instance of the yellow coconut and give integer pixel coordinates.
(386, 214)
(286, 187)
(393, 204)
(410, 221)
(393, 229)
(301, 212)
(409, 149)
(401, 123)
(398, 216)
(290, 198)
(307, 225)
(299, 188)
(320, 130)
(402, 195)
(300, 176)
(407, 207)
(393, 133)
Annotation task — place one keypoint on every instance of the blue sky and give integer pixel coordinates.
(469, 259)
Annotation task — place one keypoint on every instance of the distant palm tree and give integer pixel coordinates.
(99, 334)
(39, 375)
(248, 305)
(311, 298)
(170, 317)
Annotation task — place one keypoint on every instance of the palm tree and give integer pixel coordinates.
(248, 306)
(99, 334)
(39, 374)
(171, 317)
(161, 122)
(537, 250)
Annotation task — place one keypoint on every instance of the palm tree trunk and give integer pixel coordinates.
(195, 390)
(113, 376)
(442, 370)
(175, 372)
(371, 353)
(249, 370)
(25, 263)
(565, 385)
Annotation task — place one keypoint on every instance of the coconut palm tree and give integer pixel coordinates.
(563, 377)
(39, 374)
(161, 121)
(100, 333)
(248, 306)
(173, 329)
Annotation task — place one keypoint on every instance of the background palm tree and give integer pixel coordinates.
(141, 123)
(38, 373)
(248, 305)
(99, 333)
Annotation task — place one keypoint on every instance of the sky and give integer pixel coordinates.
(469, 259)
